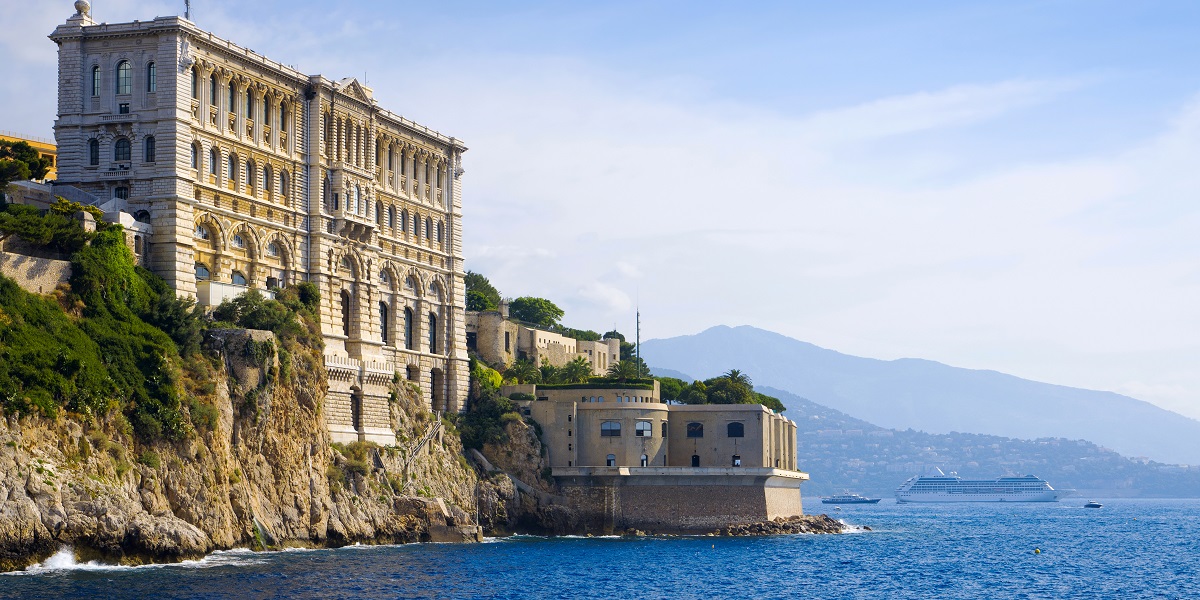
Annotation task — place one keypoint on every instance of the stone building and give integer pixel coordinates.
(624, 455)
(500, 341)
(254, 175)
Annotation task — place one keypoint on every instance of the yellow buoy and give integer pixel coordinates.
(1037, 550)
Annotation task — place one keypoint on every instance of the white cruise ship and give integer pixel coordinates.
(952, 488)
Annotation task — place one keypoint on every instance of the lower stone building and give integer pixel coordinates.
(500, 341)
(632, 461)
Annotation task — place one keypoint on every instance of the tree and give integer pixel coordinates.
(670, 388)
(549, 372)
(579, 370)
(523, 371)
(480, 285)
(623, 370)
(19, 161)
(614, 335)
(477, 301)
(696, 393)
(537, 311)
(583, 335)
(737, 377)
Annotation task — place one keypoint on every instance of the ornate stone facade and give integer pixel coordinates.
(256, 175)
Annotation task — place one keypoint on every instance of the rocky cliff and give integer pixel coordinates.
(260, 472)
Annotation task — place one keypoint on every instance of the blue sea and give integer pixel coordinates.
(1127, 549)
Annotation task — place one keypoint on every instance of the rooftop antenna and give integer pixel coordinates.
(187, 9)
(638, 336)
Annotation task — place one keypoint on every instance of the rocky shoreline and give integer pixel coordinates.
(793, 525)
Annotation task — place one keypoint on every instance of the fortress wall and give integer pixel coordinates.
(35, 275)
(677, 505)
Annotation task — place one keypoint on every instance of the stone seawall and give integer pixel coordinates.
(679, 504)
(35, 275)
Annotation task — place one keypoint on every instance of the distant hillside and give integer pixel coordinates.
(841, 453)
(930, 396)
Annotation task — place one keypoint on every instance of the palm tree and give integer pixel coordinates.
(623, 370)
(523, 371)
(737, 377)
(578, 370)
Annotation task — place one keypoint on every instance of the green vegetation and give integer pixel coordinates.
(55, 229)
(488, 413)
(481, 295)
(535, 311)
(118, 344)
(20, 161)
(734, 387)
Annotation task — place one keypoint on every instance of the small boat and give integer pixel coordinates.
(1093, 504)
(849, 498)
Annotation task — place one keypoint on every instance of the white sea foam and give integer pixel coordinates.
(64, 561)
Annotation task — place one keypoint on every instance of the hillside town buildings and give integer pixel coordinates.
(240, 173)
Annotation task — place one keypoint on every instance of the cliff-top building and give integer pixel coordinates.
(245, 174)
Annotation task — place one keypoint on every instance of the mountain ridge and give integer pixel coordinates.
(932, 396)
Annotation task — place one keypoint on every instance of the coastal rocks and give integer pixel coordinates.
(258, 472)
(781, 526)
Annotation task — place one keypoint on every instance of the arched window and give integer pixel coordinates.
(238, 278)
(266, 113)
(148, 149)
(359, 206)
(345, 313)
(610, 460)
(142, 216)
(433, 334)
(326, 193)
(439, 232)
(249, 106)
(268, 180)
(201, 232)
(121, 150)
(151, 78)
(391, 157)
(212, 161)
(121, 192)
(93, 152)
(383, 322)
(391, 216)
(645, 460)
(737, 460)
(643, 429)
(196, 156)
(96, 81)
(237, 241)
(251, 177)
(284, 186)
(232, 97)
(695, 430)
(428, 228)
(212, 89)
(408, 328)
(124, 81)
(695, 460)
(232, 174)
(378, 214)
(736, 429)
(202, 273)
(610, 429)
(195, 84)
(273, 249)
(404, 221)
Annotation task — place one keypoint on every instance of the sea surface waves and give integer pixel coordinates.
(1127, 549)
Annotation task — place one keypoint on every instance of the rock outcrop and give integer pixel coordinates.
(259, 471)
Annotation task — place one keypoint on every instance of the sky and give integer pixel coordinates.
(1007, 185)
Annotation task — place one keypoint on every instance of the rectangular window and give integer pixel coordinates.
(123, 108)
